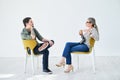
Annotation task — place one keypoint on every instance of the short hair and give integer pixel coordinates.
(26, 20)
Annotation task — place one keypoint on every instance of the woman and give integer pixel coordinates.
(82, 46)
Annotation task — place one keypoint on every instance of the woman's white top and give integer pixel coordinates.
(92, 33)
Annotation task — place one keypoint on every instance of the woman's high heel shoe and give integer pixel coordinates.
(60, 64)
(70, 68)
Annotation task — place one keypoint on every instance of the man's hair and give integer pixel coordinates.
(26, 20)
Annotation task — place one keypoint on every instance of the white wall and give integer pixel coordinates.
(59, 20)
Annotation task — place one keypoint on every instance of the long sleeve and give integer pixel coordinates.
(94, 34)
(38, 34)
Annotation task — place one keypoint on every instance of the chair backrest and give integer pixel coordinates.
(29, 44)
(92, 42)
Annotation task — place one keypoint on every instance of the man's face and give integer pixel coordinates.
(30, 23)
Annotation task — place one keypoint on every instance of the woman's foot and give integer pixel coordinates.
(61, 63)
(68, 69)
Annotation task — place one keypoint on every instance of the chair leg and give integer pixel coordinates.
(78, 61)
(26, 57)
(32, 62)
(38, 62)
(93, 60)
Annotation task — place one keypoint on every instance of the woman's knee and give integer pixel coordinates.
(68, 43)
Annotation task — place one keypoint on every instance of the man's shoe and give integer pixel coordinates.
(47, 71)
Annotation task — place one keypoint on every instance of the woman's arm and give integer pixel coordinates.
(94, 34)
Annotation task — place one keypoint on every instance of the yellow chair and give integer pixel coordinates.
(91, 50)
(30, 44)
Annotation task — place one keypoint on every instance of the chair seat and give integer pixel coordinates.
(29, 53)
(35, 54)
(78, 52)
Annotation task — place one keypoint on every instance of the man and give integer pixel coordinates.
(29, 32)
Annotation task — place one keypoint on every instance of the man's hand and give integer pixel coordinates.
(32, 33)
(45, 40)
(51, 43)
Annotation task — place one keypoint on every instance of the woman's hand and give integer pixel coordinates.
(88, 31)
(81, 32)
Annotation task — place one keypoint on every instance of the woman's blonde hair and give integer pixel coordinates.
(93, 21)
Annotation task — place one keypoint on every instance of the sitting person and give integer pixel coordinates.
(82, 46)
(29, 32)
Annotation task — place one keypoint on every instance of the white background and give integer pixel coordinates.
(61, 21)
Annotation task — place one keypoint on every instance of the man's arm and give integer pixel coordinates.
(32, 33)
(41, 38)
(38, 35)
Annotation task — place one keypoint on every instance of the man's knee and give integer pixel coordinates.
(53, 41)
(46, 52)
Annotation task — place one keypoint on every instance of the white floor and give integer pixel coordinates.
(108, 68)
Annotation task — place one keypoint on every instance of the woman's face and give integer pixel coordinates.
(88, 23)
